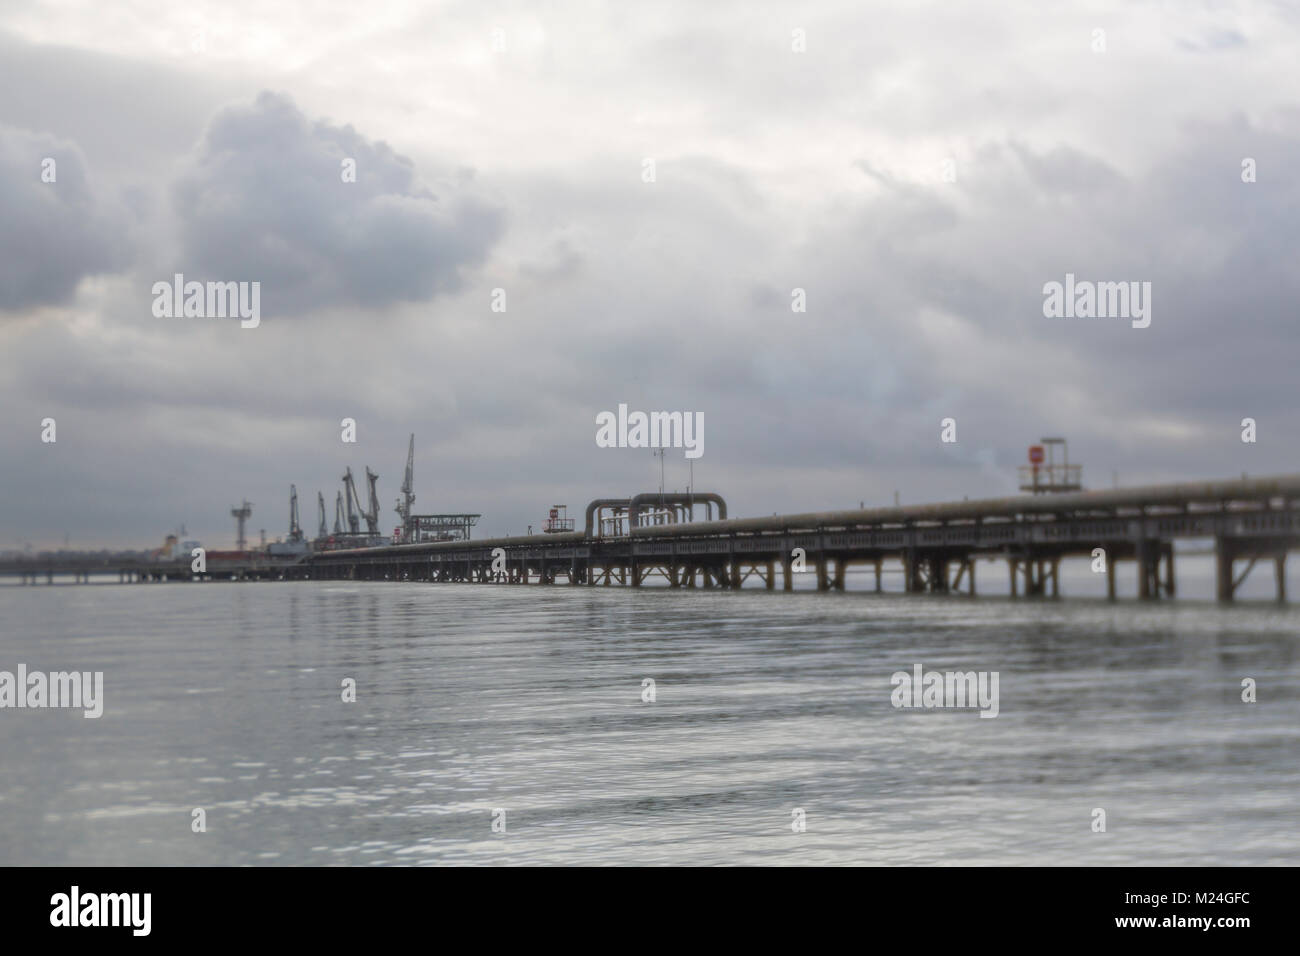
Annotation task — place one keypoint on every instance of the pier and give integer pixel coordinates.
(1250, 520)
(653, 536)
(36, 569)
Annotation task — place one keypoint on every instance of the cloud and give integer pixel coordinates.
(55, 233)
(776, 170)
(264, 198)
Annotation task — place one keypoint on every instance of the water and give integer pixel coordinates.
(227, 697)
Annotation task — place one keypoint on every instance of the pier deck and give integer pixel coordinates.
(1250, 520)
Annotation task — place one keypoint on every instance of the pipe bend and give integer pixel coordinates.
(634, 504)
(676, 498)
(602, 503)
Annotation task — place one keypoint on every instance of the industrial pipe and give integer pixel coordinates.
(685, 498)
(601, 504)
(1287, 486)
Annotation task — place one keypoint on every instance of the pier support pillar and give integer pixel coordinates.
(735, 572)
(965, 568)
(938, 567)
(1035, 571)
(823, 581)
(1148, 566)
(771, 574)
(1110, 575)
(787, 573)
(841, 564)
(1279, 571)
(912, 582)
(877, 575)
(1223, 556)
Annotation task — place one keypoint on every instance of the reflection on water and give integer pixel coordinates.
(472, 698)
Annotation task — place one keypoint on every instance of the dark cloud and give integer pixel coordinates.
(54, 233)
(263, 198)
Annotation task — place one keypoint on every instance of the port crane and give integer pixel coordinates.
(372, 516)
(338, 513)
(408, 491)
(320, 508)
(354, 503)
(295, 530)
(339, 523)
(350, 496)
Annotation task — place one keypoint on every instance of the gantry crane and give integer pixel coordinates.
(372, 516)
(408, 492)
(354, 503)
(295, 530)
(350, 497)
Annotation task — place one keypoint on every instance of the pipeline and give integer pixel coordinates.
(1181, 494)
(679, 501)
(685, 498)
(600, 504)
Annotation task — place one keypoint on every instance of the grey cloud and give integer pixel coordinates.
(263, 198)
(1064, 170)
(55, 233)
(924, 297)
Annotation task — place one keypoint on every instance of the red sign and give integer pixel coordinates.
(1035, 454)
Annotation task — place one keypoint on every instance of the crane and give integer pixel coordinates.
(408, 492)
(338, 514)
(320, 507)
(355, 508)
(295, 530)
(350, 496)
(372, 516)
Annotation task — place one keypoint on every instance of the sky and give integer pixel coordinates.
(644, 187)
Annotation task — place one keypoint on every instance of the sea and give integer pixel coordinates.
(387, 723)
